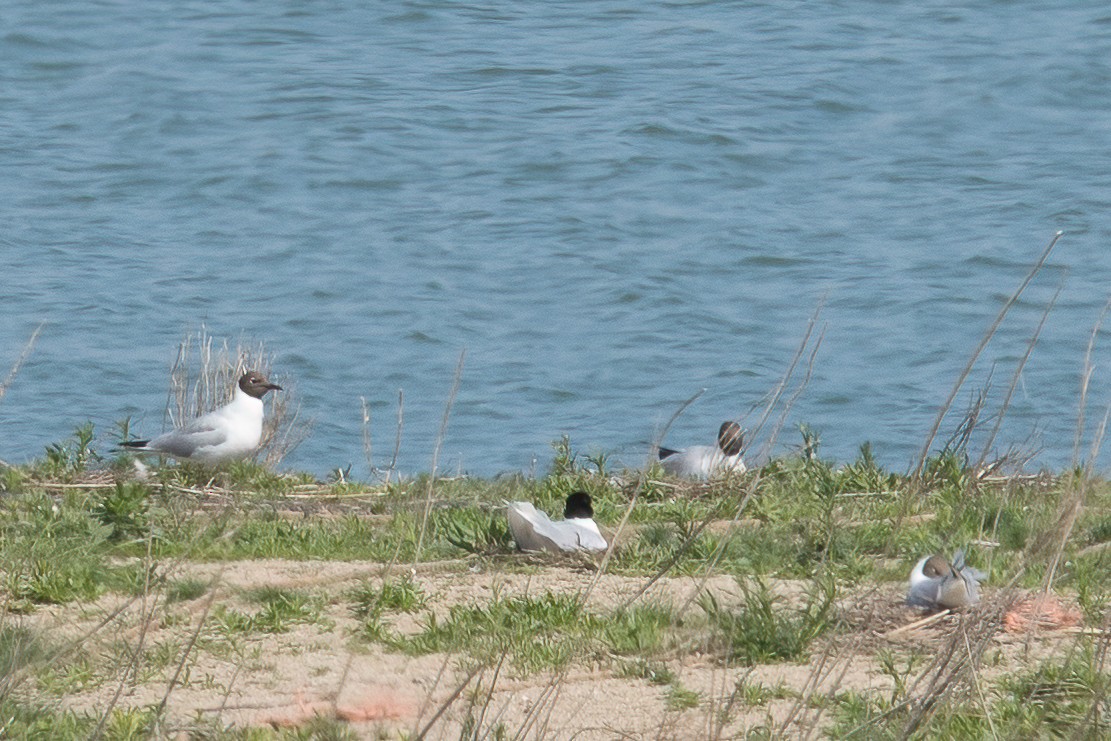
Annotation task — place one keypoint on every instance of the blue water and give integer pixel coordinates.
(608, 205)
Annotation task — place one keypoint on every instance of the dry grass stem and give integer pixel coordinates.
(1015, 377)
(199, 386)
(456, 379)
(944, 410)
(20, 360)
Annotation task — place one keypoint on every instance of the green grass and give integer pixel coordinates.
(681, 698)
(797, 514)
(799, 517)
(538, 633)
(1060, 698)
(278, 611)
(25, 721)
(184, 590)
(28, 721)
(399, 595)
(76, 674)
(19, 647)
(125, 510)
(655, 672)
(764, 629)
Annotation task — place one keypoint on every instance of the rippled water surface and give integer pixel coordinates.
(608, 205)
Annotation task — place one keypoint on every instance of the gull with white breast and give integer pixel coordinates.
(231, 431)
(937, 584)
(533, 530)
(703, 461)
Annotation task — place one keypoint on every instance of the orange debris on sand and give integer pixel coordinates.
(1041, 612)
(373, 707)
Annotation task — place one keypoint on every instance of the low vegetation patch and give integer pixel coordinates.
(789, 547)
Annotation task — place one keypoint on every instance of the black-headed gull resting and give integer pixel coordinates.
(534, 531)
(232, 431)
(703, 461)
(937, 584)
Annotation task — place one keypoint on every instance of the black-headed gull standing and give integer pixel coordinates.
(232, 431)
(533, 530)
(703, 461)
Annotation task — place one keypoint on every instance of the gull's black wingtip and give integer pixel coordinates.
(133, 444)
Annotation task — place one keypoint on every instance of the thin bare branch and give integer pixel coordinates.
(19, 361)
(944, 410)
(436, 453)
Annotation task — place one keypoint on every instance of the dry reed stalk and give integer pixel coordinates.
(397, 441)
(146, 618)
(1078, 486)
(1086, 380)
(490, 693)
(750, 490)
(458, 376)
(194, 636)
(752, 485)
(198, 387)
(423, 732)
(641, 477)
(942, 668)
(1015, 377)
(654, 448)
(945, 407)
(428, 698)
(785, 380)
(978, 686)
(952, 671)
(367, 437)
(541, 712)
(20, 360)
(1008, 492)
(11, 682)
(962, 435)
(955, 669)
(922, 623)
(392, 468)
(798, 391)
(805, 714)
(367, 448)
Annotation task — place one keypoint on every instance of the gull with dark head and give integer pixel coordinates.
(533, 530)
(231, 431)
(703, 461)
(937, 584)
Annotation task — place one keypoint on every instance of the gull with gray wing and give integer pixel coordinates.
(231, 431)
(533, 530)
(703, 461)
(937, 584)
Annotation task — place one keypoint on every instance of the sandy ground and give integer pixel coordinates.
(324, 668)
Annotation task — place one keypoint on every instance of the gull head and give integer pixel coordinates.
(578, 506)
(253, 383)
(731, 438)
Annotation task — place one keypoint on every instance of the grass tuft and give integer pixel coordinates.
(765, 630)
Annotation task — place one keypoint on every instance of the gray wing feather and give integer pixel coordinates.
(183, 443)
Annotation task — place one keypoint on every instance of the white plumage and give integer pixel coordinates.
(231, 431)
(533, 530)
(937, 584)
(703, 461)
